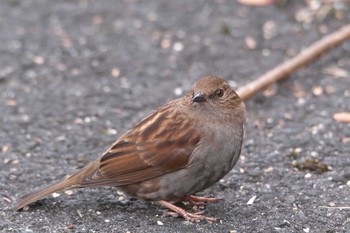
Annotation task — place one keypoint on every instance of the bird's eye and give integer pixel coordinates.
(219, 92)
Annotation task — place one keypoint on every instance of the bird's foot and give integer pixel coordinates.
(192, 217)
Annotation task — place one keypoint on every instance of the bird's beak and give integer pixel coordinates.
(199, 97)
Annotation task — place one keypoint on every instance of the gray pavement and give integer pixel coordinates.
(75, 75)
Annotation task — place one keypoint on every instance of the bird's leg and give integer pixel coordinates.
(200, 201)
(196, 217)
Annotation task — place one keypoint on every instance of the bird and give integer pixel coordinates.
(178, 150)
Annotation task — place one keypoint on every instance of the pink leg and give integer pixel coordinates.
(196, 217)
(194, 200)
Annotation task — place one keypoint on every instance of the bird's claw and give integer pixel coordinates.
(179, 212)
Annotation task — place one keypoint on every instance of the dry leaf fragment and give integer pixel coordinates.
(15, 161)
(312, 165)
(345, 140)
(6, 198)
(257, 2)
(5, 148)
(115, 72)
(295, 153)
(70, 226)
(336, 72)
(250, 42)
(342, 117)
(11, 102)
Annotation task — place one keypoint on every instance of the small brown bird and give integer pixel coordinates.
(182, 148)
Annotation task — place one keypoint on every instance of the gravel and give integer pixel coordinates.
(75, 75)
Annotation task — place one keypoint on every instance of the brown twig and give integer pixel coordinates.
(304, 57)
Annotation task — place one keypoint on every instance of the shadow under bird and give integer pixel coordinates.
(182, 148)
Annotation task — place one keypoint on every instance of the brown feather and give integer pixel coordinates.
(135, 159)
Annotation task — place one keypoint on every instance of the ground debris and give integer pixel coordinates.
(342, 117)
(312, 165)
(336, 72)
(295, 153)
(250, 42)
(6, 198)
(257, 2)
(70, 226)
(345, 140)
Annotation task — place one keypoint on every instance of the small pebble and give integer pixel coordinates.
(115, 72)
(178, 47)
(165, 43)
(314, 153)
(250, 42)
(269, 169)
(38, 60)
(317, 90)
(69, 192)
(331, 204)
(111, 131)
(251, 200)
(56, 194)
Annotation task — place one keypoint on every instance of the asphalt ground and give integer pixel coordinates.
(75, 75)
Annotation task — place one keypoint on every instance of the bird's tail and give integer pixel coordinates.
(71, 182)
(34, 196)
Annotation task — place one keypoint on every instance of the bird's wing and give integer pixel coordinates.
(162, 143)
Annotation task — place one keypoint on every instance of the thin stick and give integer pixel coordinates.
(304, 57)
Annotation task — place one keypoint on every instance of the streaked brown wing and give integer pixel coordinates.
(148, 150)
